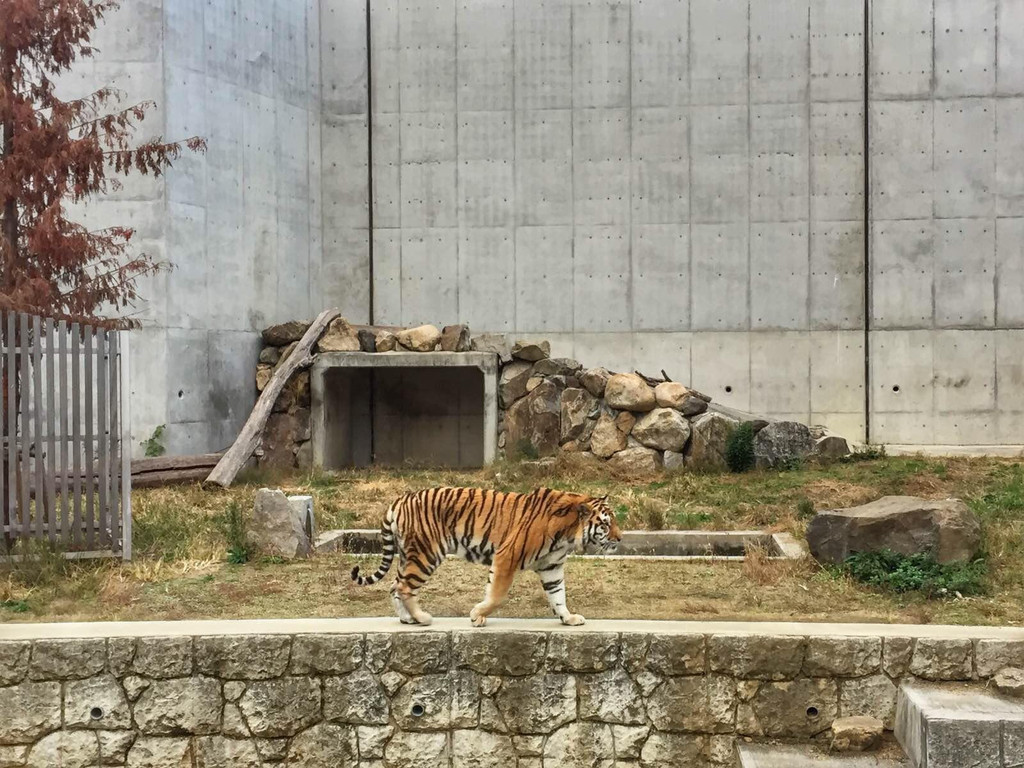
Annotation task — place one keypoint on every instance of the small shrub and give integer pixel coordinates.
(654, 514)
(739, 449)
(867, 453)
(154, 445)
(14, 606)
(898, 573)
(524, 450)
(238, 547)
(805, 508)
(34, 563)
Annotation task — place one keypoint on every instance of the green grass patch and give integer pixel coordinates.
(739, 448)
(893, 572)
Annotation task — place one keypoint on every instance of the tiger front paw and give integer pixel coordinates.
(573, 620)
(477, 618)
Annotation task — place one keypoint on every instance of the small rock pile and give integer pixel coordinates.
(548, 405)
(639, 426)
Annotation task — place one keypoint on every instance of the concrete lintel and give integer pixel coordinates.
(14, 631)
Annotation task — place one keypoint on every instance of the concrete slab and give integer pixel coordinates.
(720, 275)
(783, 756)
(778, 52)
(837, 275)
(719, 52)
(954, 726)
(543, 273)
(901, 48)
(837, 51)
(779, 263)
(965, 47)
(901, 159)
(660, 53)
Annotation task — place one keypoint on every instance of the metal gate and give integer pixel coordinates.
(66, 475)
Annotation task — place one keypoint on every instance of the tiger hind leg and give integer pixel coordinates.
(403, 615)
(412, 575)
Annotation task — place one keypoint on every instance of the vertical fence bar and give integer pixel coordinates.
(126, 447)
(102, 462)
(64, 399)
(89, 437)
(115, 446)
(50, 464)
(24, 392)
(76, 421)
(38, 445)
(12, 424)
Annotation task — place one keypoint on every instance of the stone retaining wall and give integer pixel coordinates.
(417, 699)
(548, 406)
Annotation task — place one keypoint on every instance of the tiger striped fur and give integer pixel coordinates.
(510, 532)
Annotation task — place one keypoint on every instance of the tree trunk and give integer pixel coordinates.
(9, 228)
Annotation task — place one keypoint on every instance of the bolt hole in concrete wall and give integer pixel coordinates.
(404, 417)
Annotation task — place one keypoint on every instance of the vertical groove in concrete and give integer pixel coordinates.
(369, 170)
(866, 277)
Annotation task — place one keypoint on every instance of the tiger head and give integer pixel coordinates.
(600, 529)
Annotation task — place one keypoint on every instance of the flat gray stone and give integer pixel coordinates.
(781, 756)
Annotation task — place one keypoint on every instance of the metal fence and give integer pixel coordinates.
(66, 475)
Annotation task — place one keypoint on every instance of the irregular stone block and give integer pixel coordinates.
(1010, 682)
(552, 700)
(856, 734)
(423, 704)
(942, 659)
(339, 337)
(586, 652)
(120, 654)
(594, 380)
(610, 697)
(947, 530)
(610, 432)
(628, 392)
(30, 710)
(758, 657)
(636, 462)
(780, 442)
(505, 653)
(326, 654)
(283, 707)
(670, 750)
(372, 738)
(581, 745)
(535, 420)
(676, 654)
(794, 709)
(368, 340)
(480, 749)
(874, 696)
(421, 653)
(233, 724)
(709, 435)
(13, 662)
(270, 355)
(663, 429)
(285, 333)
(357, 698)
(64, 749)
(324, 746)
(150, 752)
(67, 659)
(185, 705)
(673, 461)
(219, 752)
(512, 382)
(385, 341)
(701, 704)
(629, 740)
(531, 351)
(495, 343)
(455, 338)
(842, 656)
(577, 407)
(246, 657)
(409, 749)
(896, 655)
(273, 749)
(994, 655)
(96, 703)
(556, 366)
(163, 657)
(528, 746)
(282, 526)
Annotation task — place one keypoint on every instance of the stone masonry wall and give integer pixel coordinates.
(462, 699)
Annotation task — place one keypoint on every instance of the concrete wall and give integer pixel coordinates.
(530, 694)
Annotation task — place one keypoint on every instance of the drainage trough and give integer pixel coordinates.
(660, 545)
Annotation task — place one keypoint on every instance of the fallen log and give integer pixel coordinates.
(167, 470)
(170, 477)
(248, 439)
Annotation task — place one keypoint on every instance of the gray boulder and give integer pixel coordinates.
(492, 342)
(340, 336)
(947, 530)
(284, 333)
(535, 420)
(782, 441)
(512, 382)
(709, 436)
(577, 407)
(531, 351)
(455, 338)
(281, 525)
(664, 429)
(628, 392)
(556, 366)
(636, 462)
(594, 380)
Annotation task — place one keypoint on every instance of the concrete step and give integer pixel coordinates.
(959, 726)
(784, 756)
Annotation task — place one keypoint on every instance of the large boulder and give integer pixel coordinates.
(556, 366)
(594, 380)
(385, 341)
(577, 407)
(284, 333)
(512, 382)
(531, 351)
(636, 462)
(629, 392)
(781, 442)
(495, 343)
(535, 420)
(610, 432)
(455, 338)
(664, 429)
(282, 525)
(947, 530)
(422, 338)
(709, 434)
(672, 394)
(339, 337)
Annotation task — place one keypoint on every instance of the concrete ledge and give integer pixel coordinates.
(958, 451)
(29, 631)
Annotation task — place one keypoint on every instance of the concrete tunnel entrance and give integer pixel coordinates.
(435, 409)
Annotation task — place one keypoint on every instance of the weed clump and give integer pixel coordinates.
(234, 531)
(805, 509)
(893, 572)
(739, 448)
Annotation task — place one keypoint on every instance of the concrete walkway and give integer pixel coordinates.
(17, 631)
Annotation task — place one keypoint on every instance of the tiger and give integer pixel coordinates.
(510, 532)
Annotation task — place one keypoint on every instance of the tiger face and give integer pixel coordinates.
(601, 530)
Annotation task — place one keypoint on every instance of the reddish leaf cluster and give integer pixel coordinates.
(54, 152)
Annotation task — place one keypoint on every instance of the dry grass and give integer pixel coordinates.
(180, 543)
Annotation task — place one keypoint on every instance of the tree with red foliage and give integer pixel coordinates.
(57, 151)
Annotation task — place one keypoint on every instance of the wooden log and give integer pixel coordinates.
(170, 477)
(248, 439)
(163, 463)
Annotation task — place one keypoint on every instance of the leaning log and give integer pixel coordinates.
(158, 471)
(249, 438)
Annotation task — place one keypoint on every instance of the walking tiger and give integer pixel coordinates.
(509, 532)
